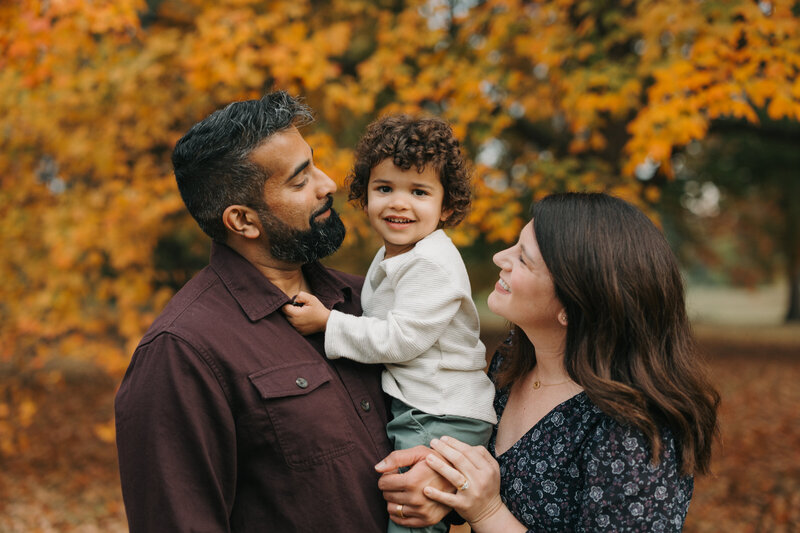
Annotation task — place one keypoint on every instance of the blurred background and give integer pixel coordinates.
(689, 109)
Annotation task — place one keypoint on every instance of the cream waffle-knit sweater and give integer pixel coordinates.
(420, 321)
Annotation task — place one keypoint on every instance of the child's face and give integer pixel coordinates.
(404, 206)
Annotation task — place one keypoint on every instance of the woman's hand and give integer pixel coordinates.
(405, 489)
(477, 476)
(306, 313)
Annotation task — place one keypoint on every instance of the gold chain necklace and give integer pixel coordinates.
(538, 384)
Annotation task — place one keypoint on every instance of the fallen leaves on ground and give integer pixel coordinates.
(67, 481)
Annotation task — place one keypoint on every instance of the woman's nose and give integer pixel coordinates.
(502, 259)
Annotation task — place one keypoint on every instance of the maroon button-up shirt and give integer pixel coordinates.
(229, 420)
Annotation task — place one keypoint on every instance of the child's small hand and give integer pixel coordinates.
(306, 313)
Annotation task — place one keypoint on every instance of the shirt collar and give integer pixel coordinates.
(256, 295)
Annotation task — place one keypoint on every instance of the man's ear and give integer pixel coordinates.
(242, 220)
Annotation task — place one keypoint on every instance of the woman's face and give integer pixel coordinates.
(524, 294)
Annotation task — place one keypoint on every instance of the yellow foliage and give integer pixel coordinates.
(106, 432)
(577, 94)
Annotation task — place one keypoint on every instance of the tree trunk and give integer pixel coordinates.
(792, 246)
(793, 312)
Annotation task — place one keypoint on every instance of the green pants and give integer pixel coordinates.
(410, 427)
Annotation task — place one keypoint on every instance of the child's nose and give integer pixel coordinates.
(398, 201)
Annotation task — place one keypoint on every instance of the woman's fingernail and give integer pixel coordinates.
(431, 458)
(434, 441)
(445, 438)
(380, 465)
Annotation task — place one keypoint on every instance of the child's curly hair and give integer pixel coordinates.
(414, 142)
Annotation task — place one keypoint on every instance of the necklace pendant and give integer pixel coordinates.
(537, 384)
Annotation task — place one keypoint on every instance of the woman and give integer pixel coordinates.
(604, 412)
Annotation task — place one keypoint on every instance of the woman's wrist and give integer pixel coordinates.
(497, 519)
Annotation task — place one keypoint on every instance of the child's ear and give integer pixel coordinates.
(445, 214)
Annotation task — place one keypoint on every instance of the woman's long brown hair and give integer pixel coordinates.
(629, 343)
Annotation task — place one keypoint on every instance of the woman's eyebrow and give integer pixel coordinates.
(525, 253)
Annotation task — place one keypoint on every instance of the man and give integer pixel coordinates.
(227, 418)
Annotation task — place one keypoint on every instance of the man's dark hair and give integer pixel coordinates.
(212, 160)
(413, 142)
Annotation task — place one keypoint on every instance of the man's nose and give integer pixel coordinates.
(325, 185)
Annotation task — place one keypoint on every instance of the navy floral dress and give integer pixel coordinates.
(578, 469)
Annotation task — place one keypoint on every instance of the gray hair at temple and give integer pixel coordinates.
(212, 160)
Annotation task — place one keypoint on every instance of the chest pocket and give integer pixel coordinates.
(309, 414)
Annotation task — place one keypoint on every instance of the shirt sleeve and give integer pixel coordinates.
(425, 303)
(624, 491)
(176, 441)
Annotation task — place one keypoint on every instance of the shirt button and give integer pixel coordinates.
(301, 382)
(365, 405)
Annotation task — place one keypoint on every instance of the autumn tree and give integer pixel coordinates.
(556, 95)
(735, 204)
(586, 95)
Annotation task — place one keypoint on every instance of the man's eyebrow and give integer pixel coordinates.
(302, 166)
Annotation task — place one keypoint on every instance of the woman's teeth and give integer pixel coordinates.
(505, 286)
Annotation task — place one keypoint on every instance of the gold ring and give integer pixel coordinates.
(400, 510)
(465, 485)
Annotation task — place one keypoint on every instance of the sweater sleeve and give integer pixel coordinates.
(425, 303)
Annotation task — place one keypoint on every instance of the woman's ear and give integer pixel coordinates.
(241, 220)
(562, 318)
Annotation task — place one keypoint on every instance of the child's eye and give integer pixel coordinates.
(383, 188)
(419, 192)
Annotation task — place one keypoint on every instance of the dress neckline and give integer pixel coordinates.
(545, 419)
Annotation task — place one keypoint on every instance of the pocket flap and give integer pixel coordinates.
(290, 380)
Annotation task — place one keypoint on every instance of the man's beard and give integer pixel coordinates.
(303, 246)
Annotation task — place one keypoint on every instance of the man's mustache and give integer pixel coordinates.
(328, 205)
